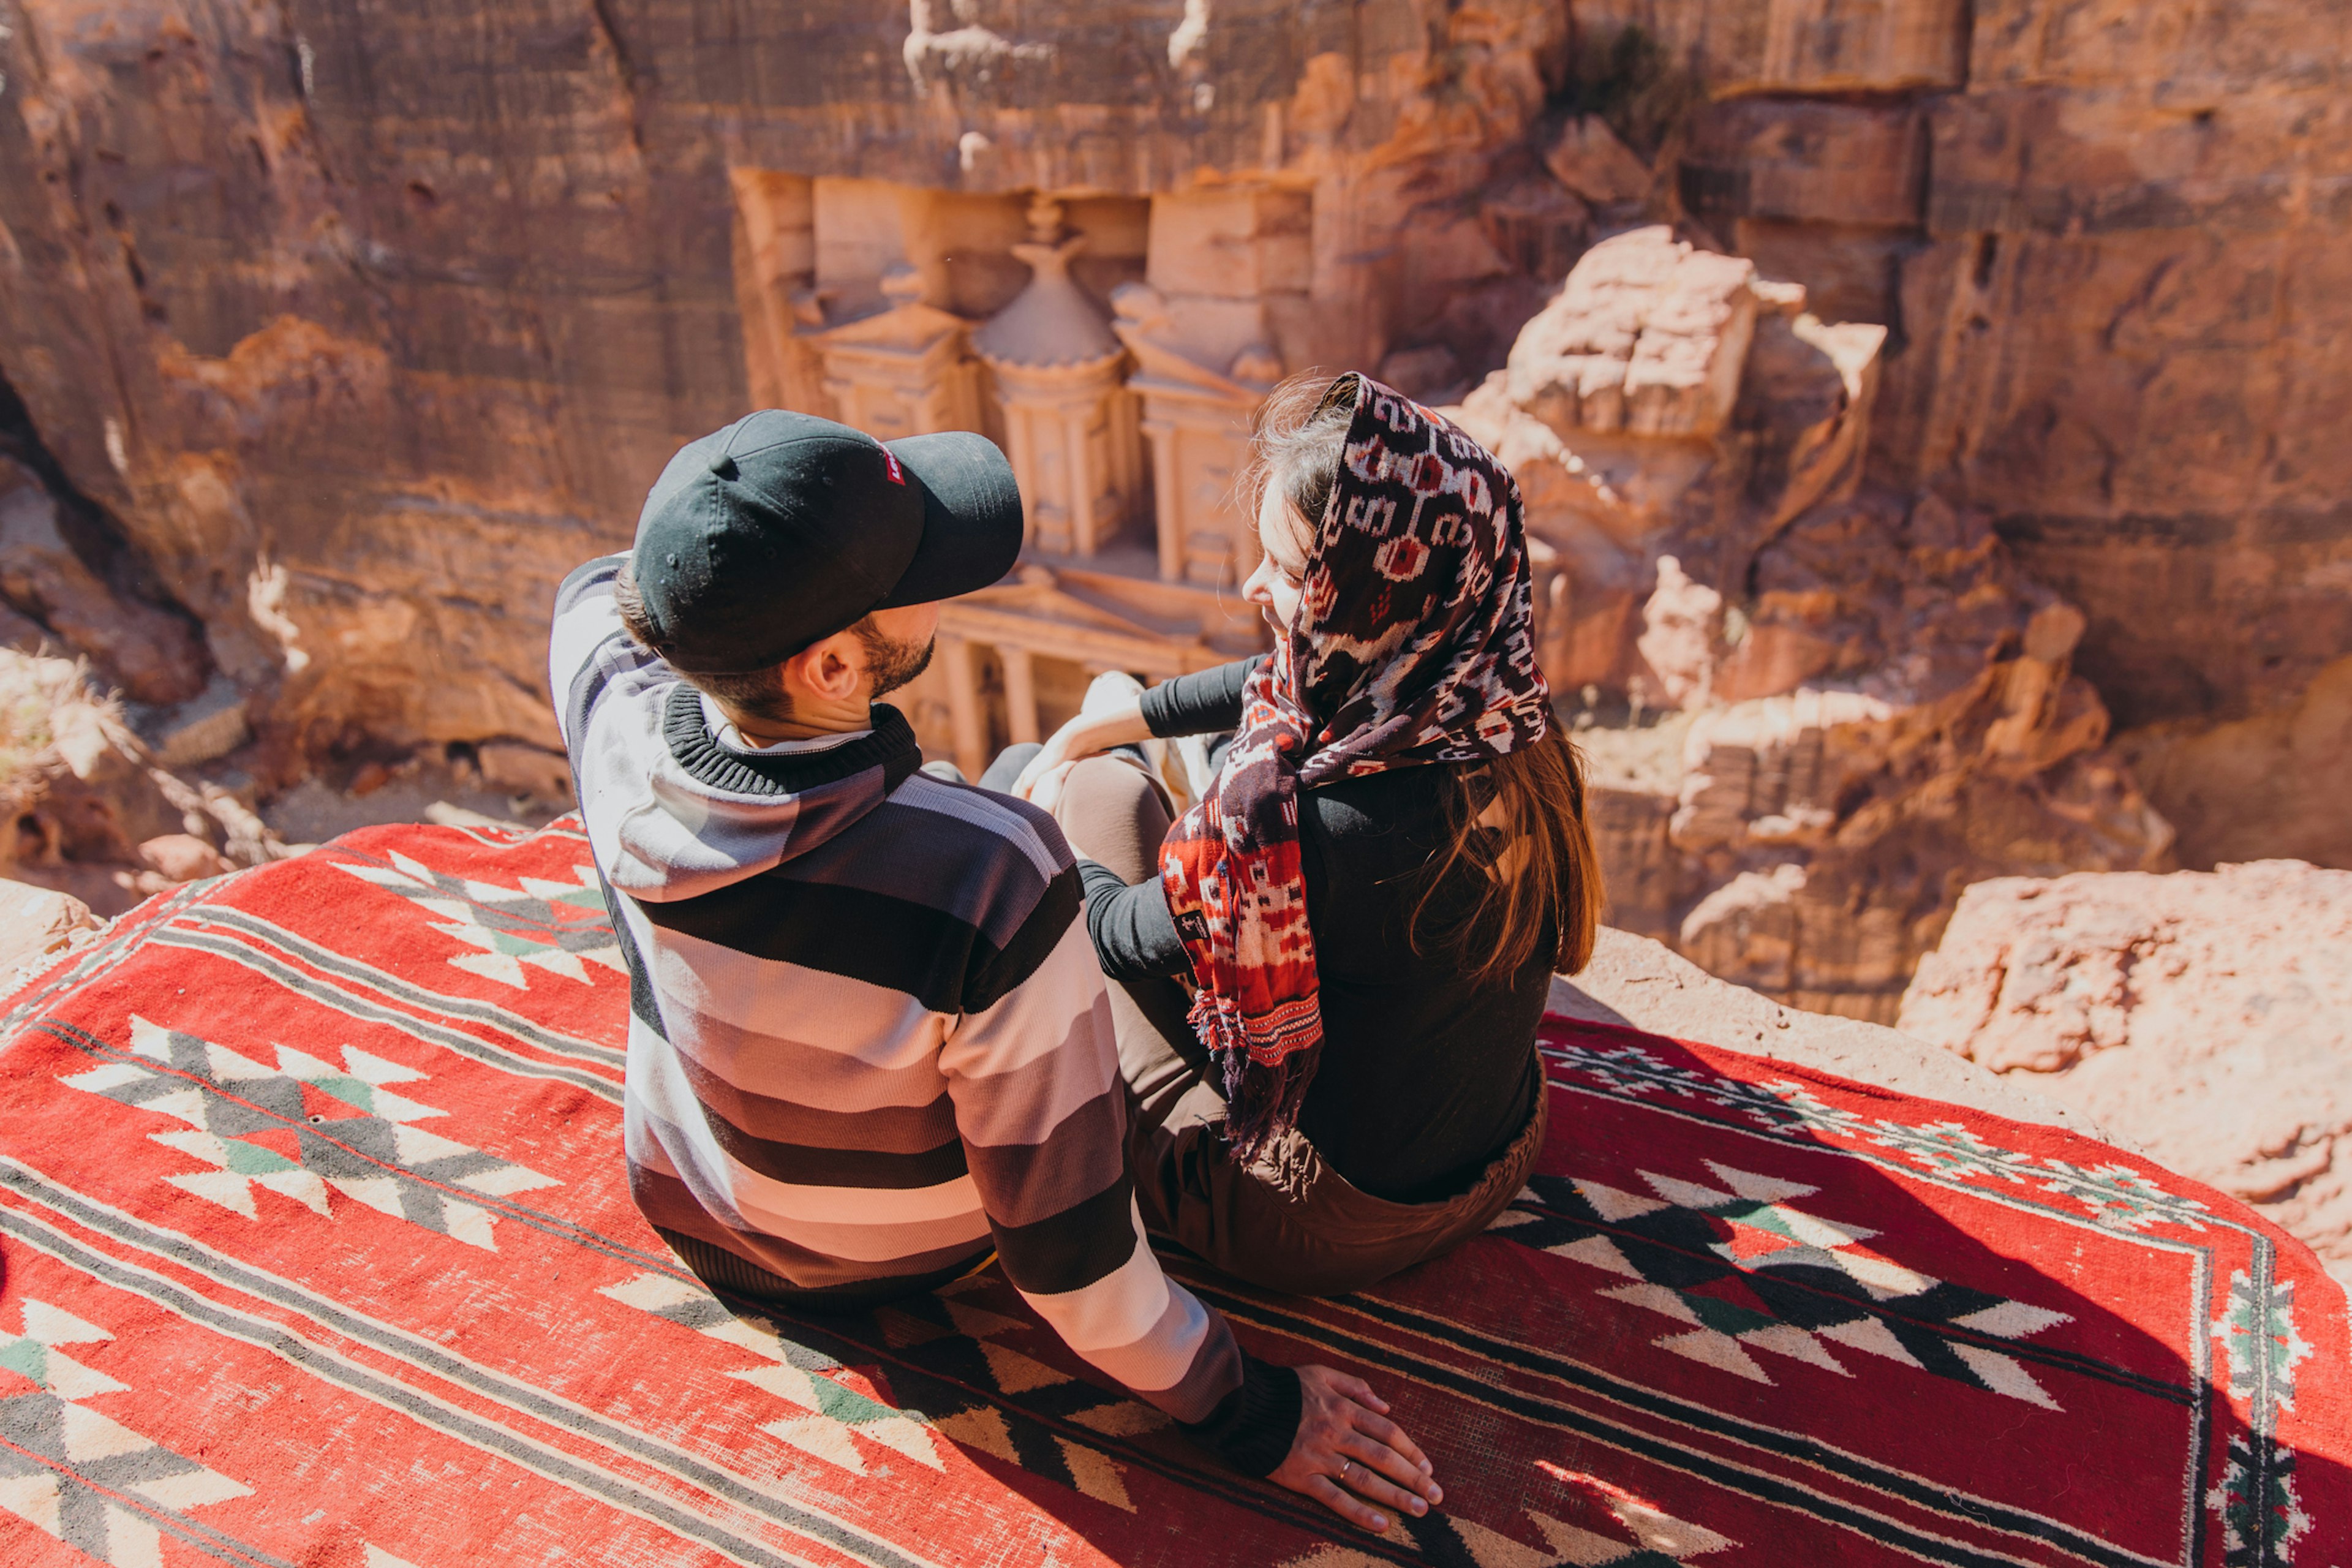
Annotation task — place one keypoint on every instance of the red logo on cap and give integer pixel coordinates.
(898, 476)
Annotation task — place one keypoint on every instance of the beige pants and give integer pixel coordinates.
(1285, 1221)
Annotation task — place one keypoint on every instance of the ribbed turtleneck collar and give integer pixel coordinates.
(890, 747)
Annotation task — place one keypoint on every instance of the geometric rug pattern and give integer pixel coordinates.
(1746, 1271)
(319, 1250)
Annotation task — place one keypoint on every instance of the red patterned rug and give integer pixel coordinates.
(319, 1250)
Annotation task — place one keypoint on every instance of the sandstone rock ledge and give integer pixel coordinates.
(38, 926)
(2206, 1015)
(1633, 979)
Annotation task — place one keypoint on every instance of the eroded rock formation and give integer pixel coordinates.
(1879, 706)
(2201, 1014)
(2109, 239)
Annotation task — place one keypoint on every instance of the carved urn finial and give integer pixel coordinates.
(1053, 321)
(1044, 219)
(1069, 425)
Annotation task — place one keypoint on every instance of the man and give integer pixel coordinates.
(869, 1038)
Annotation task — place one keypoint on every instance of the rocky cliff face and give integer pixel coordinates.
(366, 324)
(2107, 239)
(343, 330)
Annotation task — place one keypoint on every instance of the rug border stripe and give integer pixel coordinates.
(1778, 1441)
(409, 993)
(1731, 1477)
(439, 1362)
(1260, 1497)
(1305, 1517)
(1916, 1491)
(213, 1543)
(479, 1050)
(121, 939)
(415, 1405)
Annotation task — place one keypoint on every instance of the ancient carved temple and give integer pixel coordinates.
(1116, 348)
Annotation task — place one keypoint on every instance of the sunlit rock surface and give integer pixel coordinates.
(1639, 982)
(2206, 1016)
(1880, 708)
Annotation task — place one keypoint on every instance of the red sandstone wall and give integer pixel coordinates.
(367, 322)
(364, 322)
(2110, 238)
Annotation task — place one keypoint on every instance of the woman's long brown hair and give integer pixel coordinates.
(1518, 820)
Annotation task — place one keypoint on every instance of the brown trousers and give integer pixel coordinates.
(1286, 1221)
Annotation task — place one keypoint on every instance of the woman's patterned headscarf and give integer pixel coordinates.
(1413, 644)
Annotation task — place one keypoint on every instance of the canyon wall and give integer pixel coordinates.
(2108, 240)
(365, 323)
(341, 331)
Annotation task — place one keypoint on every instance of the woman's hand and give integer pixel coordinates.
(1346, 1450)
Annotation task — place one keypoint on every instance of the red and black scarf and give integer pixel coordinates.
(1413, 644)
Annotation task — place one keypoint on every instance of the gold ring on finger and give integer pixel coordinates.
(1344, 1464)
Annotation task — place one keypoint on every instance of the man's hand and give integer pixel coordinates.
(1043, 787)
(1063, 747)
(1348, 1449)
(1081, 738)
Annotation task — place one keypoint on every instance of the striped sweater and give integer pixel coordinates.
(868, 1036)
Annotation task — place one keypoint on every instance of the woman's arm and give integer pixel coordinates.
(1200, 703)
(1084, 736)
(1134, 937)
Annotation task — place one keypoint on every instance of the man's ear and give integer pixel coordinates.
(827, 670)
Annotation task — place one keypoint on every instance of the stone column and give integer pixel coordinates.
(1084, 429)
(1168, 512)
(1202, 441)
(1020, 692)
(775, 263)
(963, 706)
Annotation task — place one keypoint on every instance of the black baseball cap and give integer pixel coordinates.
(783, 529)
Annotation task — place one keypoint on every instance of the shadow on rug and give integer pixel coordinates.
(319, 1251)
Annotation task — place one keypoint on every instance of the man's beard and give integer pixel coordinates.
(892, 664)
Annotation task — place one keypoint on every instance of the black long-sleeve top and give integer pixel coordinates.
(1425, 1076)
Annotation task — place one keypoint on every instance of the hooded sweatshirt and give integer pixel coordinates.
(869, 1038)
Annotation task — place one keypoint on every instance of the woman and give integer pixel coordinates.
(1371, 900)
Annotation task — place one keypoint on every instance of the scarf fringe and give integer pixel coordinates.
(1262, 1097)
